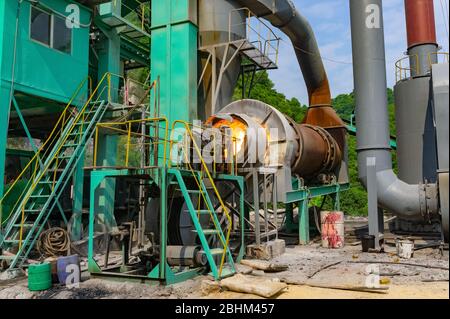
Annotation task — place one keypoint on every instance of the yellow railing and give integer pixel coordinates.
(54, 158)
(404, 70)
(205, 170)
(44, 150)
(141, 17)
(154, 124)
(59, 135)
(444, 55)
(229, 162)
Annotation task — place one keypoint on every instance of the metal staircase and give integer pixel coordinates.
(52, 167)
(219, 258)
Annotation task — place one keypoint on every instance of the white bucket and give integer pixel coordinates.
(405, 248)
(332, 226)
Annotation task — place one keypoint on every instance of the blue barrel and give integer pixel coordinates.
(64, 270)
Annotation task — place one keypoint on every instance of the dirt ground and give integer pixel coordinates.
(309, 267)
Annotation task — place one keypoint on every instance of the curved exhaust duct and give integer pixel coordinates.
(412, 201)
(283, 15)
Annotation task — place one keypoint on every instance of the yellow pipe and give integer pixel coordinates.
(128, 145)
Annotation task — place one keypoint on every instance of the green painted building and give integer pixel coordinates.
(48, 48)
(42, 62)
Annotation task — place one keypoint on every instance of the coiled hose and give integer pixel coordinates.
(54, 242)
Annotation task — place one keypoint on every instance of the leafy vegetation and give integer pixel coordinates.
(354, 201)
(263, 90)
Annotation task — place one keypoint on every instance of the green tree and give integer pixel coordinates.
(264, 91)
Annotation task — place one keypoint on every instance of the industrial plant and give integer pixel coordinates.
(131, 165)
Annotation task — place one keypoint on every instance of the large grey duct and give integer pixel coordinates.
(369, 68)
(283, 15)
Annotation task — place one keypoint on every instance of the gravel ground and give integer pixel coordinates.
(305, 268)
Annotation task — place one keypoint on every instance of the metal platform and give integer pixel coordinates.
(250, 51)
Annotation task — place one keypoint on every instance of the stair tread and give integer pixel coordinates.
(227, 271)
(208, 231)
(24, 225)
(199, 211)
(217, 251)
(39, 196)
(75, 136)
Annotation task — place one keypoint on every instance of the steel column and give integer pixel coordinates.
(174, 57)
(4, 123)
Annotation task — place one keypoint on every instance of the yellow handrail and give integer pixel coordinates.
(36, 181)
(56, 132)
(51, 138)
(401, 72)
(206, 170)
(129, 133)
(437, 55)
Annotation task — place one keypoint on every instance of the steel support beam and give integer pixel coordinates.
(97, 179)
(174, 57)
(302, 196)
(24, 124)
(109, 61)
(4, 123)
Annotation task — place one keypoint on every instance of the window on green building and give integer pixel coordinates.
(50, 29)
(62, 35)
(40, 26)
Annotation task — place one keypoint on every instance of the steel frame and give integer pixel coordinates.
(301, 196)
(162, 272)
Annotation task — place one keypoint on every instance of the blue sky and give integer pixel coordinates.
(330, 20)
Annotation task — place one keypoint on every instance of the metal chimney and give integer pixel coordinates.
(421, 30)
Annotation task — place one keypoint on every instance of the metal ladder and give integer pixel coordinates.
(220, 258)
(225, 266)
(51, 176)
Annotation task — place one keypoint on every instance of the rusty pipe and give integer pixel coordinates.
(318, 151)
(421, 31)
(420, 22)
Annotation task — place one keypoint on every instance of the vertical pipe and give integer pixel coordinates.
(421, 31)
(420, 22)
(369, 61)
(373, 138)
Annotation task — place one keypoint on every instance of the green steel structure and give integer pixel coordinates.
(64, 85)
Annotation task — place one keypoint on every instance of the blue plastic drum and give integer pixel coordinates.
(69, 266)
